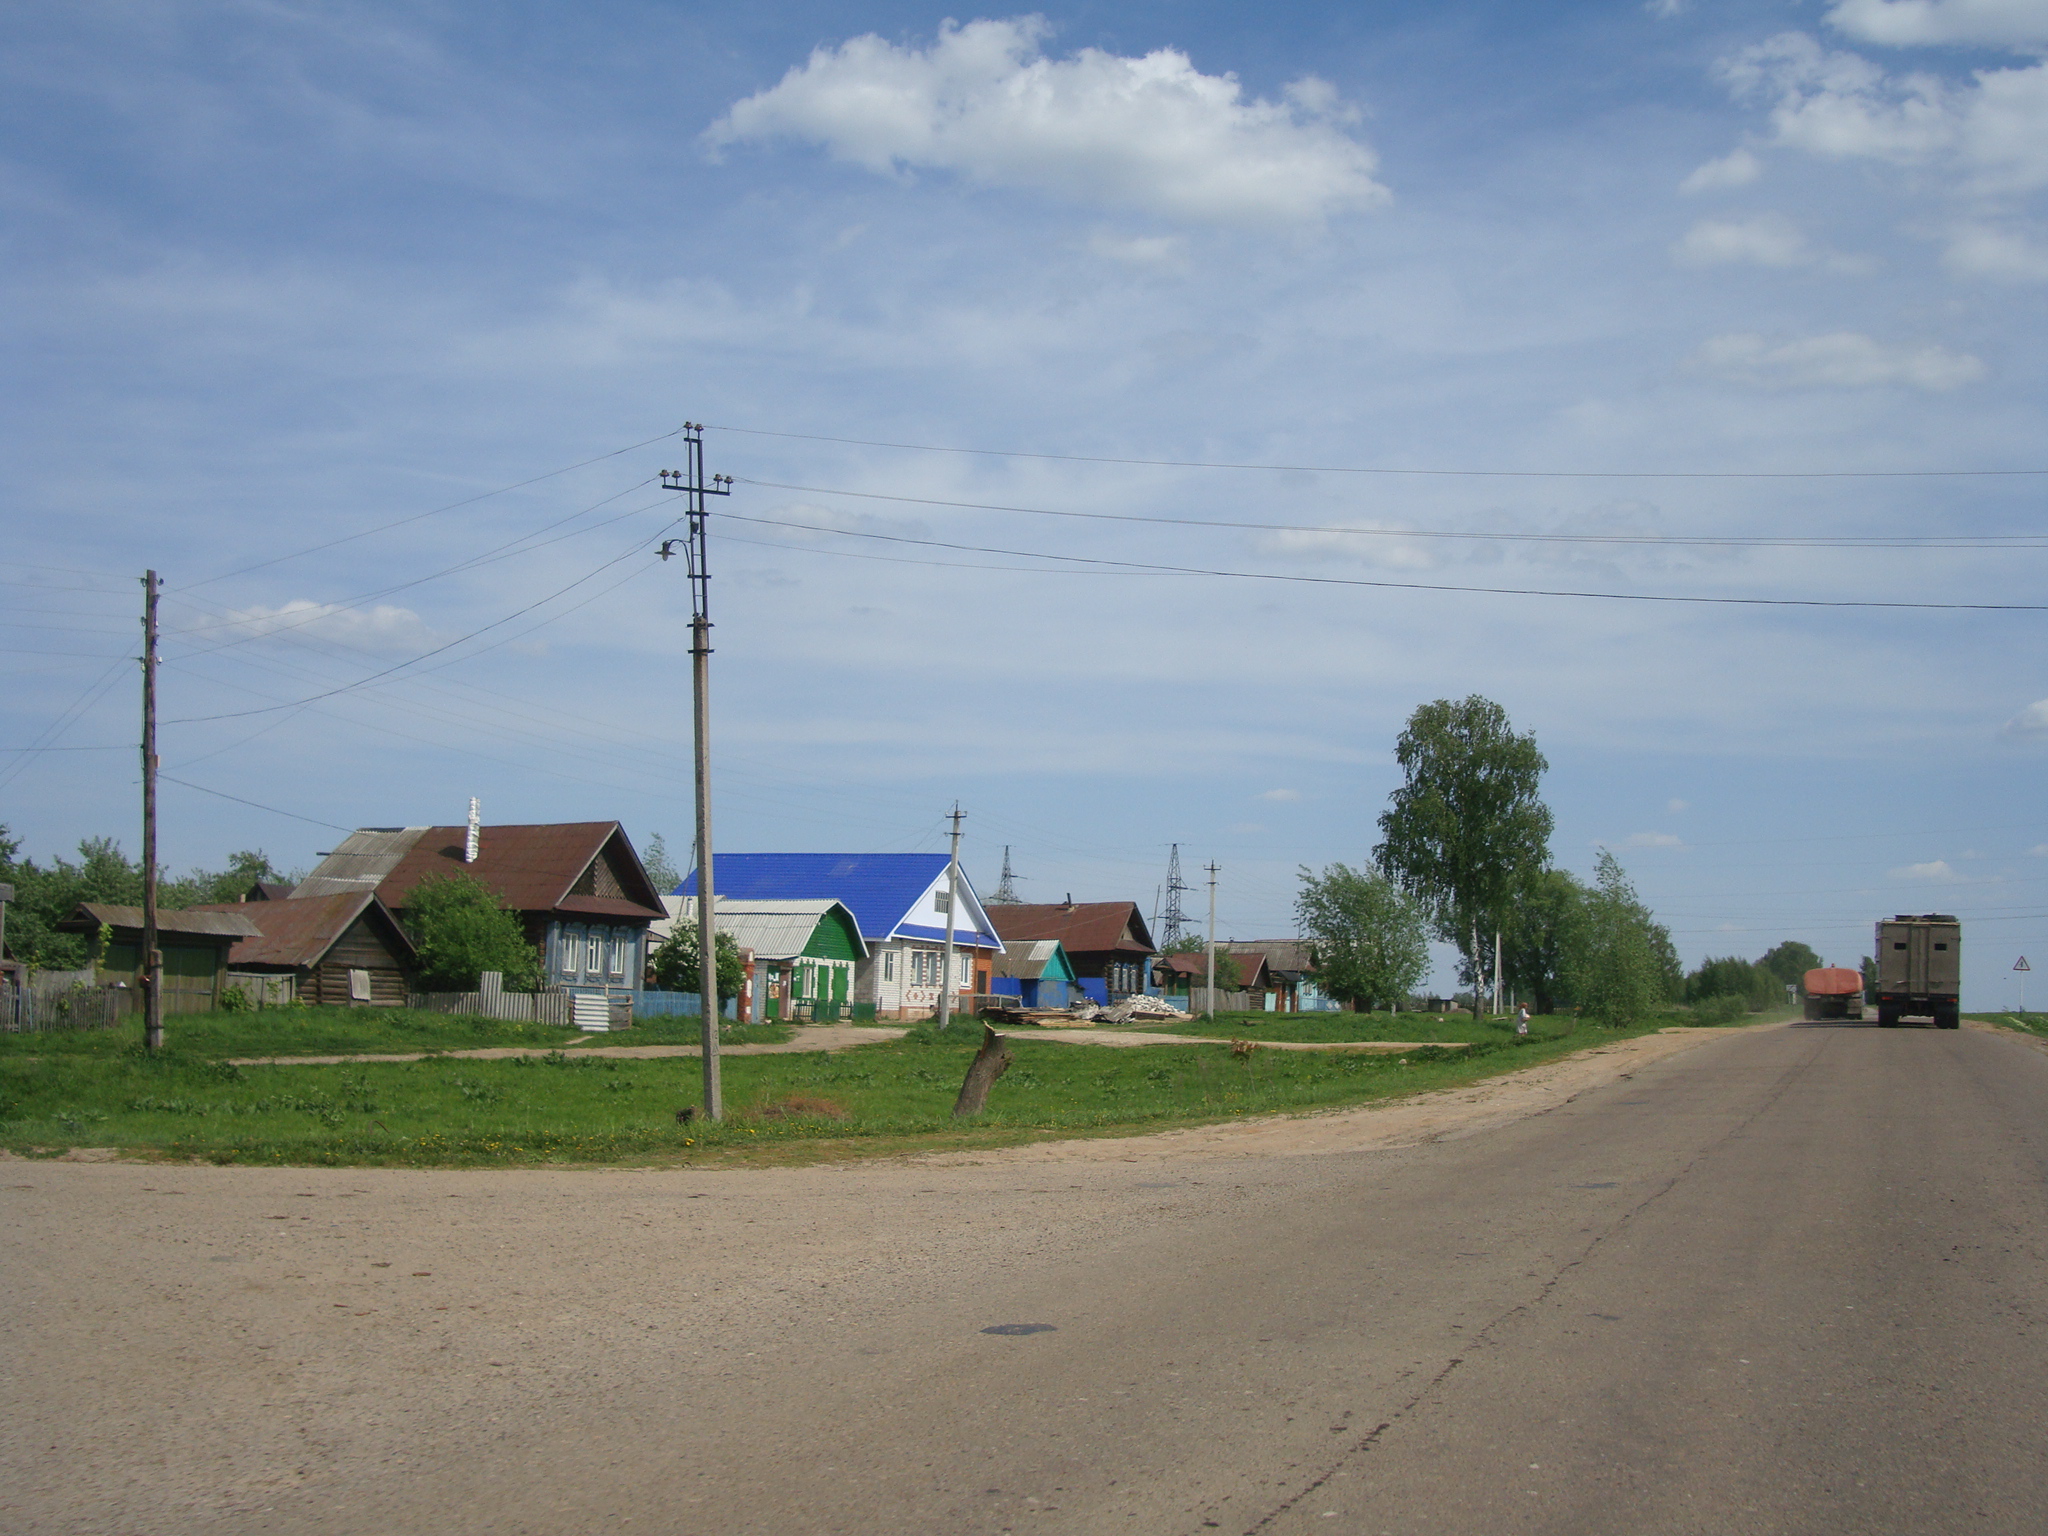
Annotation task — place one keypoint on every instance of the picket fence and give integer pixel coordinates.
(520, 1007)
(59, 1000)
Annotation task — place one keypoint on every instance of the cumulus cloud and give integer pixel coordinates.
(1840, 360)
(1738, 168)
(1768, 240)
(1286, 796)
(2039, 850)
(1992, 131)
(1917, 23)
(1938, 870)
(1654, 840)
(1150, 133)
(1977, 250)
(1368, 543)
(1138, 250)
(2031, 721)
(383, 629)
(1675, 806)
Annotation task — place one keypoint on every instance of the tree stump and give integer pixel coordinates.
(990, 1063)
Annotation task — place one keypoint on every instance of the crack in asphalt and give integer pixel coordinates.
(1543, 1292)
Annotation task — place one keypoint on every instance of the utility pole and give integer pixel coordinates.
(696, 556)
(152, 956)
(952, 906)
(1496, 970)
(1210, 1011)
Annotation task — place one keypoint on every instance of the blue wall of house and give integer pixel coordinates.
(595, 956)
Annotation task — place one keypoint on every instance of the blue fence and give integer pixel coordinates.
(661, 1005)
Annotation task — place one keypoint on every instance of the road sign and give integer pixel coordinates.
(2023, 966)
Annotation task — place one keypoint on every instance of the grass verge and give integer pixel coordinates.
(561, 1107)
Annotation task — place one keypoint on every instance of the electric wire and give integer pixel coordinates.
(273, 810)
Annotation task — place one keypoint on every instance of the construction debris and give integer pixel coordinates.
(1139, 1008)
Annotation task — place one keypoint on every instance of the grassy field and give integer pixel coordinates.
(356, 1031)
(2031, 1023)
(563, 1107)
(1325, 1027)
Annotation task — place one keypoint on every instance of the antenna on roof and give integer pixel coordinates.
(469, 843)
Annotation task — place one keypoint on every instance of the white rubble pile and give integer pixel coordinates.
(1138, 1008)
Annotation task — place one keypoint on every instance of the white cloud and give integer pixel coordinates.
(1369, 545)
(1738, 168)
(1673, 806)
(384, 628)
(1840, 360)
(1938, 870)
(1992, 132)
(2031, 721)
(1978, 250)
(2039, 851)
(1151, 133)
(1285, 796)
(1913, 23)
(1137, 250)
(1654, 840)
(1664, 10)
(1768, 240)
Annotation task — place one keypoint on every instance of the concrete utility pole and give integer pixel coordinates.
(1496, 970)
(1214, 870)
(696, 555)
(152, 956)
(952, 906)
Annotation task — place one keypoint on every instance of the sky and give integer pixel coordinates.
(1135, 411)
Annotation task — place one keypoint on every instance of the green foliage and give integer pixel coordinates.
(1467, 829)
(1543, 937)
(1790, 962)
(1186, 944)
(1371, 940)
(462, 929)
(1732, 976)
(675, 962)
(1724, 1009)
(661, 869)
(235, 1000)
(1625, 966)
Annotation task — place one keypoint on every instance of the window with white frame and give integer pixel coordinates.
(621, 938)
(572, 951)
(888, 965)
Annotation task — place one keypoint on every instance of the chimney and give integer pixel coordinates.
(469, 843)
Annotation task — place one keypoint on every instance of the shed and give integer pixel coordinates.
(1037, 973)
(195, 945)
(345, 948)
(805, 953)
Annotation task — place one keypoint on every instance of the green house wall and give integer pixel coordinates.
(835, 938)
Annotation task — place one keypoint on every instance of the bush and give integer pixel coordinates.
(235, 1000)
(1725, 1009)
(461, 930)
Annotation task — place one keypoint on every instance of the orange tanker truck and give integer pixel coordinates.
(1833, 992)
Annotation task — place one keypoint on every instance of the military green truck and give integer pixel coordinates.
(1919, 969)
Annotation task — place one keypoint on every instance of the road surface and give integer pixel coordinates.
(1787, 1280)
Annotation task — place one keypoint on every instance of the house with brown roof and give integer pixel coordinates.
(579, 888)
(347, 948)
(1107, 942)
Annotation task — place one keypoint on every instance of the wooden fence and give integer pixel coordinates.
(521, 1007)
(54, 1000)
(1226, 1002)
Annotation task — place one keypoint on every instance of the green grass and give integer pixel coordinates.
(563, 1107)
(1324, 1027)
(355, 1031)
(2031, 1023)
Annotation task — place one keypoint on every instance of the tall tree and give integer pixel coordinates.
(1371, 940)
(1467, 830)
(661, 869)
(1790, 962)
(1623, 969)
(1543, 938)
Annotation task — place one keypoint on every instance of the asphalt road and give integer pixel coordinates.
(1789, 1281)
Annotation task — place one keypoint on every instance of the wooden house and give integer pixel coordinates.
(195, 946)
(1107, 942)
(899, 901)
(579, 889)
(348, 948)
(1037, 973)
(801, 957)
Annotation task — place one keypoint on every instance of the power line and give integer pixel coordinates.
(223, 795)
(1813, 541)
(1402, 586)
(1356, 469)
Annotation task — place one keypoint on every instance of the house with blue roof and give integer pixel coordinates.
(899, 902)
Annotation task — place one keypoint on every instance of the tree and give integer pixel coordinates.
(660, 867)
(461, 929)
(1790, 962)
(1542, 940)
(675, 962)
(1467, 830)
(1622, 970)
(1371, 940)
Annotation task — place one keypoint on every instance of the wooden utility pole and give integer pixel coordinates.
(952, 905)
(692, 484)
(1210, 1011)
(152, 956)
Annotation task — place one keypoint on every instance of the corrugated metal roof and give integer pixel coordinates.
(1292, 955)
(299, 933)
(1085, 927)
(1027, 961)
(773, 930)
(532, 867)
(880, 889)
(198, 921)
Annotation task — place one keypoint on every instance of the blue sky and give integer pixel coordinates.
(288, 274)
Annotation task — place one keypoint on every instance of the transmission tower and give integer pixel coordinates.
(1006, 893)
(1173, 920)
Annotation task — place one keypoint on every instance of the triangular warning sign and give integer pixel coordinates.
(2023, 966)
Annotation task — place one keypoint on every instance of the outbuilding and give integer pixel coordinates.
(195, 944)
